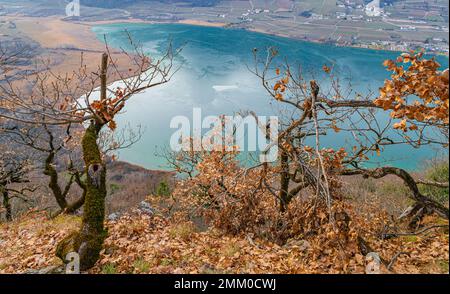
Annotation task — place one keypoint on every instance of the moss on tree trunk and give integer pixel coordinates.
(50, 171)
(88, 241)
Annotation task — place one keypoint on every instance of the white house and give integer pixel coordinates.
(373, 8)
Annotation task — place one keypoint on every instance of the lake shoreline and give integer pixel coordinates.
(83, 38)
(202, 23)
(232, 45)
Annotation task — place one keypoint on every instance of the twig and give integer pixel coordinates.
(433, 183)
(422, 230)
(394, 259)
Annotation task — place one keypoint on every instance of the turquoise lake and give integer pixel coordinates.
(215, 57)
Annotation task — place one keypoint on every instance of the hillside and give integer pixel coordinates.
(125, 3)
(398, 25)
(141, 243)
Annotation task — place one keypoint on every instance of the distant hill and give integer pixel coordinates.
(108, 3)
(124, 3)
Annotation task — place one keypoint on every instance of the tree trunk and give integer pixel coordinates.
(72, 208)
(423, 204)
(53, 183)
(88, 242)
(92, 232)
(284, 181)
(6, 204)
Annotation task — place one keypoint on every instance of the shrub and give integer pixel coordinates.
(109, 269)
(437, 171)
(233, 200)
(114, 188)
(163, 189)
(141, 265)
(183, 231)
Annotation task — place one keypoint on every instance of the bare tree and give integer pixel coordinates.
(318, 111)
(51, 142)
(13, 174)
(56, 98)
